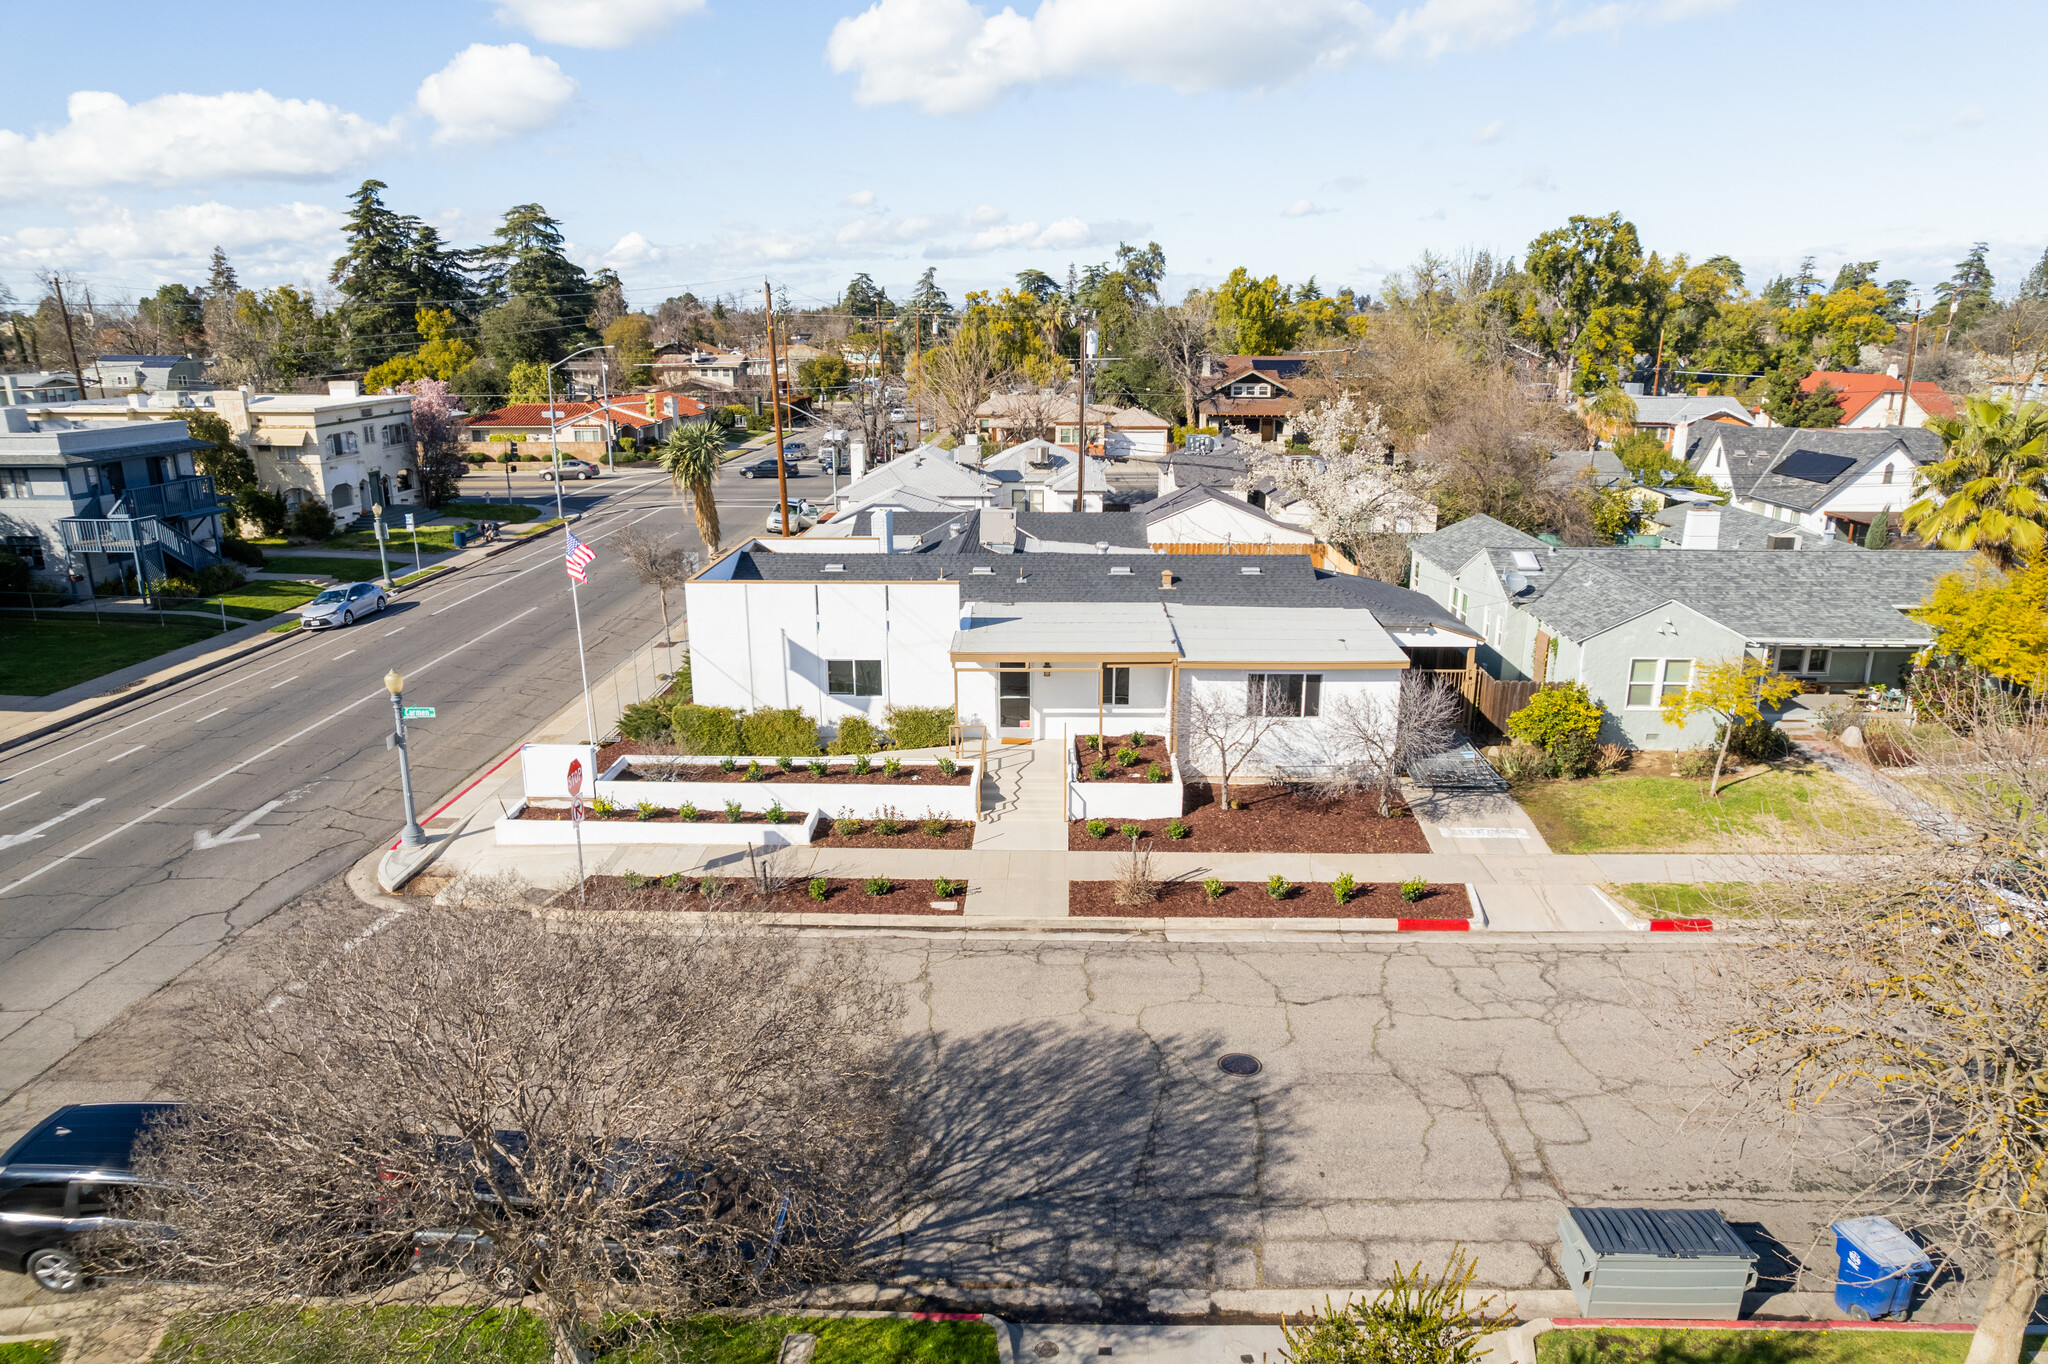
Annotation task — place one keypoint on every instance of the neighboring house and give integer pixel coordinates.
(100, 501)
(36, 388)
(1875, 399)
(1668, 417)
(341, 447)
(1118, 432)
(1250, 391)
(698, 365)
(151, 373)
(1204, 514)
(1593, 468)
(1825, 482)
(1221, 463)
(1036, 476)
(2021, 388)
(648, 418)
(1054, 643)
(1632, 624)
(1695, 525)
(1041, 476)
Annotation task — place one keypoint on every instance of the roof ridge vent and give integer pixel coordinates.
(835, 568)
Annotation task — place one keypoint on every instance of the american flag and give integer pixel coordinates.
(579, 555)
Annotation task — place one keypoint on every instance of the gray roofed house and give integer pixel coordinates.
(1738, 529)
(1819, 481)
(1662, 414)
(153, 373)
(1601, 468)
(1453, 546)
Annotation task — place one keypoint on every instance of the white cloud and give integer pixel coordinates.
(1615, 15)
(277, 241)
(1302, 208)
(1969, 116)
(860, 198)
(594, 23)
(980, 231)
(186, 139)
(1491, 132)
(1439, 26)
(488, 92)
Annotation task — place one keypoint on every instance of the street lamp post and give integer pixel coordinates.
(377, 514)
(554, 437)
(394, 682)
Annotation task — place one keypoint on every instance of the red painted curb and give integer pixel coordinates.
(467, 789)
(1681, 925)
(1575, 1323)
(1434, 925)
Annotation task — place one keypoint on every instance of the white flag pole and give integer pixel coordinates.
(589, 715)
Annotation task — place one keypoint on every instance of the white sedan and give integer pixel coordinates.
(341, 605)
(802, 516)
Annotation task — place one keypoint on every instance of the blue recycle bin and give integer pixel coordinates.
(1881, 1267)
(462, 539)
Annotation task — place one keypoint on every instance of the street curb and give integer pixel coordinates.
(1632, 922)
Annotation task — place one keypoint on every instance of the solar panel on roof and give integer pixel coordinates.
(1813, 466)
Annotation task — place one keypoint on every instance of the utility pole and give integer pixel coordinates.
(1912, 351)
(782, 515)
(917, 342)
(77, 370)
(1657, 374)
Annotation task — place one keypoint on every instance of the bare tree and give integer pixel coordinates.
(957, 377)
(660, 563)
(1180, 338)
(1374, 739)
(1221, 733)
(1903, 1009)
(593, 1120)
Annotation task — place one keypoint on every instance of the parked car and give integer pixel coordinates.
(834, 461)
(765, 468)
(802, 516)
(573, 468)
(792, 448)
(54, 1184)
(897, 414)
(341, 605)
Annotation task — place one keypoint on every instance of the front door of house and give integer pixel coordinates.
(1013, 700)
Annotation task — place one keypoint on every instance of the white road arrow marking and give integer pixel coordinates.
(15, 840)
(202, 840)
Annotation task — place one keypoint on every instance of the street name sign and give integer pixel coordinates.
(419, 712)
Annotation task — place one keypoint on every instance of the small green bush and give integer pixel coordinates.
(818, 767)
(633, 879)
(603, 808)
(753, 772)
(1695, 762)
(733, 812)
(1177, 828)
(675, 880)
(706, 730)
(1343, 888)
(1099, 772)
(818, 888)
(1127, 756)
(1155, 773)
(312, 521)
(846, 828)
(726, 764)
(948, 768)
(786, 763)
(1213, 888)
(1279, 887)
(1414, 888)
(1575, 754)
(856, 735)
(888, 827)
(774, 814)
(687, 812)
(1132, 831)
(646, 810)
(934, 827)
(1137, 739)
(918, 726)
(644, 722)
(862, 765)
(945, 887)
(878, 885)
(892, 767)
(1098, 828)
(772, 730)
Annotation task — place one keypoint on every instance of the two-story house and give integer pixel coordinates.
(148, 373)
(1826, 482)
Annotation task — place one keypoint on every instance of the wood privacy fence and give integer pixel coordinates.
(1488, 698)
(1326, 557)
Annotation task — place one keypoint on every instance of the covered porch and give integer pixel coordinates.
(1036, 671)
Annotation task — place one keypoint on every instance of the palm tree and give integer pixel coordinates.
(1611, 414)
(1991, 492)
(691, 457)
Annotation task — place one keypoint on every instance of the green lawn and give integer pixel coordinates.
(436, 539)
(348, 570)
(1697, 900)
(512, 512)
(518, 1338)
(255, 600)
(1801, 808)
(31, 1352)
(1649, 1345)
(38, 657)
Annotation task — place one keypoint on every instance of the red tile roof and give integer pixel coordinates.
(1859, 391)
(630, 412)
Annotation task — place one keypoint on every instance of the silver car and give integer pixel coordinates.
(342, 604)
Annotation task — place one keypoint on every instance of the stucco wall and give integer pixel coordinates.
(1306, 742)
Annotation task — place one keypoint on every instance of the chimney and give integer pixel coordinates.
(998, 529)
(1892, 370)
(17, 420)
(344, 388)
(1165, 579)
(1681, 436)
(882, 525)
(1702, 527)
(858, 454)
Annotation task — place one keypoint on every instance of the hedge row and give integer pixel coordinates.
(774, 732)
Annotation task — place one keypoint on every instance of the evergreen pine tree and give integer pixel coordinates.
(221, 281)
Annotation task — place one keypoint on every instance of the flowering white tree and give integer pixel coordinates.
(1353, 490)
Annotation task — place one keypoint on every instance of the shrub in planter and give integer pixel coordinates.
(887, 824)
(1213, 888)
(917, 726)
(856, 735)
(1155, 773)
(726, 764)
(774, 813)
(1098, 828)
(878, 885)
(818, 767)
(786, 764)
(1137, 739)
(862, 766)
(1414, 888)
(1099, 772)
(687, 812)
(643, 722)
(1132, 831)
(1278, 887)
(706, 729)
(945, 887)
(934, 827)
(603, 808)
(675, 880)
(1177, 828)
(846, 828)
(892, 767)
(753, 772)
(948, 768)
(633, 879)
(772, 730)
(818, 888)
(1127, 756)
(733, 812)
(645, 810)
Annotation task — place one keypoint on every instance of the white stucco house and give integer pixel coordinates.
(1036, 645)
(1829, 482)
(1034, 476)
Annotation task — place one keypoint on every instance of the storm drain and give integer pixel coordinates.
(1238, 1063)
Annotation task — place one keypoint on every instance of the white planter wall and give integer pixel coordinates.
(1124, 799)
(514, 832)
(544, 769)
(863, 800)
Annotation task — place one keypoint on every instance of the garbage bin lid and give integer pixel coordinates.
(1882, 1243)
(1671, 1233)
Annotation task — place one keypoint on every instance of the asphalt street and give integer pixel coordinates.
(132, 844)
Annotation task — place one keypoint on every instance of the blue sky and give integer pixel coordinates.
(1295, 137)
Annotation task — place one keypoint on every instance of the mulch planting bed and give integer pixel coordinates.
(1152, 750)
(1249, 900)
(959, 834)
(628, 815)
(1274, 820)
(842, 896)
(919, 774)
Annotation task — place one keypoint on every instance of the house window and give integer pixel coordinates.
(1251, 390)
(27, 548)
(1886, 476)
(1116, 686)
(1807, 661)
(853, 676)
(14, 483)
(1283, 694)
(1653, 681)
(1027, 499)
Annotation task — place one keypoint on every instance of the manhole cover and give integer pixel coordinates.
(1238, 1063)
(1045, 1349)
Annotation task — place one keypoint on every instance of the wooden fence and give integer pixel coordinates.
(1326, 557)
(1488, 698)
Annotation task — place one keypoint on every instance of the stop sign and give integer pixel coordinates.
(576, 776)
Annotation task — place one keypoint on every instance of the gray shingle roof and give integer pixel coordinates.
(1181, 499)
(1755, 454)
(1743, 530)
(1126, 529)
(1669, 411)
(1453, 547)
(1568, 466)
(1764, 595)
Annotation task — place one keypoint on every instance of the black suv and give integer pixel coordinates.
(54, 1183)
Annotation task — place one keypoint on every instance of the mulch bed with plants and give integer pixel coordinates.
(626, 814)
(921, 774)
(1188, 899)
(951, 834)
(1273, 819)
(686, 893)
(1121, 759)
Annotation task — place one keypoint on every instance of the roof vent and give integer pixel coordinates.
(1515, 583)
(981, 568)
(1251, 570)
(835, 568)
(1120, 571)
(1102, 546)
(1165, 578)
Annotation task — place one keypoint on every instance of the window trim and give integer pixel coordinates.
(858, 670)
(1258, 692)
(1116, 684)
(1659, 683)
